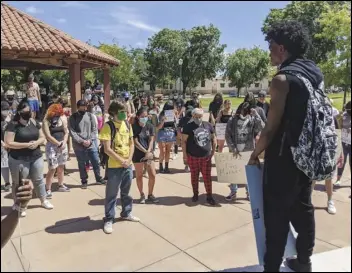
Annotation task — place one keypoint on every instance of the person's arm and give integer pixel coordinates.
(219, 117)
(139, 146)
(41, 138)
(75, 136)
(278, 90)
(214, 143)
(229, 135)
(94, 126)
(39, 95)
(184, 147)
(47, 134)
(131, 149)
(161, 123)
(12, 144)
(258, 123)
(64, 124)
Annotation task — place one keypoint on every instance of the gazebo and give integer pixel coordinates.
(29, 44)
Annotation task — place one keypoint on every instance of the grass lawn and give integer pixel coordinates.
(337, 98)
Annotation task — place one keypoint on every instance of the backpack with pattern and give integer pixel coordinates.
(316, 149)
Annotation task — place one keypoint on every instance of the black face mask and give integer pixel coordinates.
(10, 98)
(81, 112)
(25, 115)
(127, 99)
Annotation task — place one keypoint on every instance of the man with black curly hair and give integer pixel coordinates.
(287, 190)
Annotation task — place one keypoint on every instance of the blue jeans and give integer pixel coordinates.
(118, 178)
(234, 188)
(93, 156)
(32, 170)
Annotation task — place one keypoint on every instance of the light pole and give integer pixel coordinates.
(180, 62)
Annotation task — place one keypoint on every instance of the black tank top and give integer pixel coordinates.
(57, 132)
(225, 118)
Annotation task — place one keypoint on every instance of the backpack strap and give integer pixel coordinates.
(112, 132)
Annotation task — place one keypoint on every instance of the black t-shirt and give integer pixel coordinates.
(143, 134)
(179, 102)
(199, 138)
(193, 103)
(214, 108)
(264, 106)
(25, 134)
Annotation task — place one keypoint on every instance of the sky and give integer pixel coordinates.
(132, 23)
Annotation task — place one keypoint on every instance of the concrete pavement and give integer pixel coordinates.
(175, 235)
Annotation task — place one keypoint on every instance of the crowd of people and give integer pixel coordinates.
(138, 126)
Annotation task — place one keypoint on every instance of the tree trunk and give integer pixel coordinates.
(185, 84)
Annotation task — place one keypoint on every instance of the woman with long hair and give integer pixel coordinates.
(166, 135)
(143, 135)
(97, 111)
(214, 108)
(224, 117)
(56, 132)
(24, 136)
(5, 171)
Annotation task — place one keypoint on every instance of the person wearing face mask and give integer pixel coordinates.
(240, 137)
(166, 136)
(5, 119)
(223, 117)
(117, 138)
(128, 104)
(198, 145)
(194, 102)
(10, 98)
(261, 102)
(97, 111)
(144, 134)
(215, 107)
(56, 132)
(83, 130)
(249, 98)
(23, 136)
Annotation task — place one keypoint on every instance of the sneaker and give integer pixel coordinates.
(331, 207)
(195, 198)
(7, 187)
(108, 227)
(63, 188)
(131, 218)
(66, 172)
(84, 186)
(296, 266)
(186, 169)
(174, 157)
(47, 205)
(23, 214)
(337, 183)
(231, 196)
(142, 199)
(49, 194)
(211, 201)
(101, 182)
(152, 199)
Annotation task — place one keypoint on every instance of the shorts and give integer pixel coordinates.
(166, 135)
(55, 157)
(138, 156)
(34, 104)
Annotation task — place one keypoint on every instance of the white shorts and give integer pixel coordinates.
(55, 157)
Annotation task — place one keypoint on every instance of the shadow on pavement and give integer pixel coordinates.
(252, 268)
(75, 225)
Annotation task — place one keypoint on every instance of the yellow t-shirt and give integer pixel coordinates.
(122, 141)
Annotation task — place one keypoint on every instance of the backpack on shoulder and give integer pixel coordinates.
(316, 149)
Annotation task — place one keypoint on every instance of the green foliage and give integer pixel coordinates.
(246, 66)
(11, 79)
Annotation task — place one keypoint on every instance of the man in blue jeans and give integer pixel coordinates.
(117, 138)
(83, 130)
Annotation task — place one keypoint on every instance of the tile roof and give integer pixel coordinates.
(22, 32)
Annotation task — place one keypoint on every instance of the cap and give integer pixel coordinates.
(10, 93)
(5, 106)
(81, 103)
(125, 95)
(262, 93)
(31, 77)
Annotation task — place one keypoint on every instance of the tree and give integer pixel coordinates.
(12, 78)
(336, 25)
(246, 66)
(308, 13)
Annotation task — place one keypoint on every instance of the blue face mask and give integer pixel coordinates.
(144, 120)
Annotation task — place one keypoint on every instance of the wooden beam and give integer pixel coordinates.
(75, 85)
(46, 61)
(106, 88)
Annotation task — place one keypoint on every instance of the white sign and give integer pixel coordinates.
(220, 129)
(346, 136)
(255, 188)
(4, 158)
(230, 169)
(169, 116)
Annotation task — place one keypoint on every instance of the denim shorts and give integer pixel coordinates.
(34, 104)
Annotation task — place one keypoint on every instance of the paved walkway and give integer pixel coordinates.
(175, 235)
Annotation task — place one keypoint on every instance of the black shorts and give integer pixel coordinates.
(138, 156)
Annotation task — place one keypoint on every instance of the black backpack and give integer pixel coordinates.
(104, 158)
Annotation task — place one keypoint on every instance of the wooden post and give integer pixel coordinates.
(75, 84)
(106, 88)
(83, 80)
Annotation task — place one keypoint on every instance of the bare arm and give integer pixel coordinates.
(47, 134)
(38, 95)
(184, 145)
(214, 143)
(8, 226)
(229, 135)
(41, 138)
(131, 150)
(151, 144)
(64, 123)
(278, 90)
(10, 142)
(139, 146)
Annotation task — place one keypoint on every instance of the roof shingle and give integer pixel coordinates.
(20, 31)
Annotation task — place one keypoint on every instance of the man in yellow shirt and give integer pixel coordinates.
(117, 138)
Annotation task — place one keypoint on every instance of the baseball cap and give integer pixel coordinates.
(10, 92)
(125, 95)
(262, 94)
(81, 103)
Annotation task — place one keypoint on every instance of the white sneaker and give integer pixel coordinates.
(331, 207)
(108, 227)
(64, 188)
(174, 157)
(23, 214)
(47, 205)
(337, 183)
(131, 218)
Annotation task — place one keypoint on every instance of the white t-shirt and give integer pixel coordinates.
(87, 95)
(32, 91)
